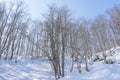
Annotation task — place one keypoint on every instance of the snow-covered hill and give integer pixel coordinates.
(25, 69)
(40, 69)
(99, 70)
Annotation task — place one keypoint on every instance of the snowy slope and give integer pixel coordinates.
(25, 70)
(40, 69)
(98, 70)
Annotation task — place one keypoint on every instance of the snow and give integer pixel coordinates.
(25, 69)
(99, 70)
(40, 69)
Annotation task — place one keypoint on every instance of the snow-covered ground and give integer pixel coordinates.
(25, 69)
(40, 69)
(98, 71)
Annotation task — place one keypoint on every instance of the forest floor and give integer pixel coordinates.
(40, 69)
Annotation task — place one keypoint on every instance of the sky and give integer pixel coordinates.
(79, 8)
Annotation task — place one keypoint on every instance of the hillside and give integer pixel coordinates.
(40, 69)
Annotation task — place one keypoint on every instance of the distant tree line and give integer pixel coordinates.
(58, 36)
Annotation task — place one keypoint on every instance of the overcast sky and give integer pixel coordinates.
(80, 8)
